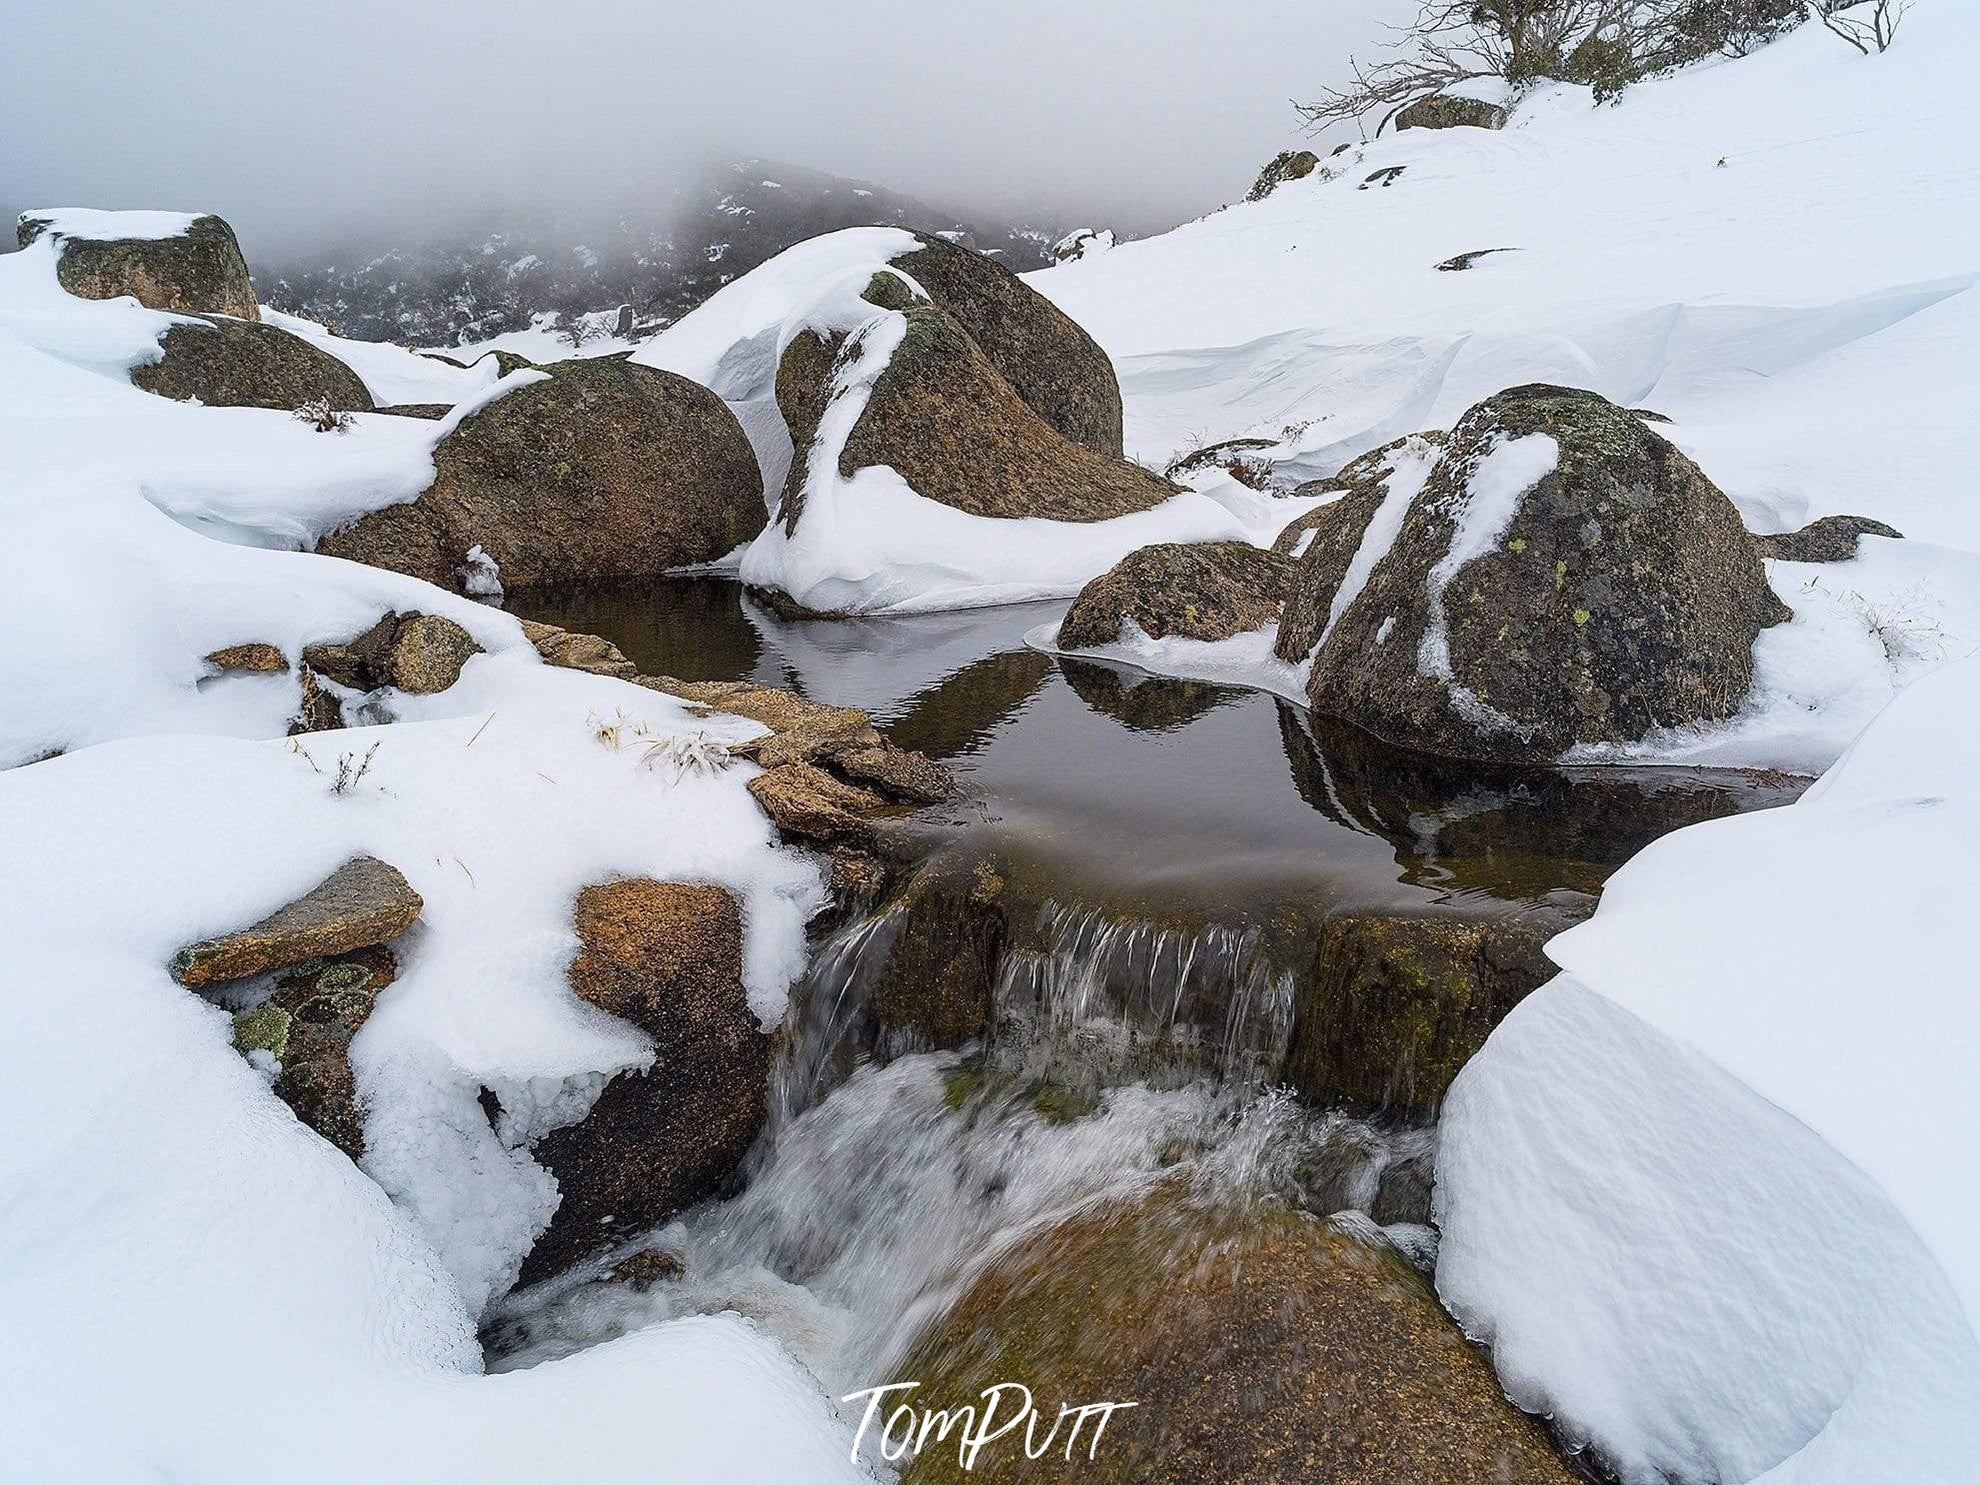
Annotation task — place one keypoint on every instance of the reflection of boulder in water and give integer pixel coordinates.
(693, 629)
(1517, 823)
(1143, 702)
(956, 715)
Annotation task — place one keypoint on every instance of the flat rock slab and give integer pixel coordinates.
(362, 903)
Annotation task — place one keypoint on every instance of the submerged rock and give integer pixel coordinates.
(1831, 539)
(944, 417)
(242, 363)
(1206, 591)
(200, 271)
(1565, 576)
(1257, 1344)
(602, 471)
(307, 1026)
(361, 904)
(668, 958)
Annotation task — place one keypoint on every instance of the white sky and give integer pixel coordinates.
(297, 120)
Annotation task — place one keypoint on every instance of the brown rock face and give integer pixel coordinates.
(361, 904)
(808, 804)
(1442, 112)
(1831, 539)
(1205, 591)
(416, 653)
(255, 656)
(668, 958)
(605, 471)
(200, 272)
(307, 1026)
(242, 363)
(1055, 368)
(945, 418)
(1618, 595)
(1399, 1002)
(1259, 1346)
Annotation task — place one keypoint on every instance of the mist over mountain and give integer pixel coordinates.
(493, 272)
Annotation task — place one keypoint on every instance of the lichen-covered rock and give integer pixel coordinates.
(416, 653)
(1055, 368)
(603, 470)
(199, 271)
(668, 958)
(1398, 1002)
(1831, 539)
(1446, 112)
(1564, 576)
(363, 903)
(1257, 1344)
(943, 416)
(1284, 166)
(1202, 591)
(255, 656)
(242, 363)
(307, 1026)
(807, 804)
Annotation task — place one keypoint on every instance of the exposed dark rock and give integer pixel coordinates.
(1055, 367)
(255, 656)
(361, 904)
(1445, 112)
(1388, 175)
(1202, 591)
(1463, 261)
(1831, 539)
(242, 363)
(317, 710)
(668, 958)
(416, 653)
(944, 417)
(808, 804)
(1398, 1002)
(603, 470)
(200, 271)
(1224, 455)
(307, 1026)
(431, 411)
(1258, 1344)
(934, 986)
(1618, 595)
(1284, 166)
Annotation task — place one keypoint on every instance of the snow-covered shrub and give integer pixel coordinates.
(324, 418)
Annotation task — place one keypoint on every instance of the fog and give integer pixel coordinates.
(304, 123)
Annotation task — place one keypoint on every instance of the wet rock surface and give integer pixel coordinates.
(1258, 1344)
(223, 362)
(201, 271)
(602, 471)
(1205, 591)
(363, 903)
(1287, 165)
(666, 957)
(306, 1027)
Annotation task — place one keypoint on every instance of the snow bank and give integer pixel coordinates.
(1698, 1192)
(391, 373)
(111, 226)
(1654, 266)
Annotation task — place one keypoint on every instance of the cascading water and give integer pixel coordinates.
(1122, 1053)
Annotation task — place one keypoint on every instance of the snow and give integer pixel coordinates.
(1702, 1192)
(111, 226)
(392, 374)
(170, 1222)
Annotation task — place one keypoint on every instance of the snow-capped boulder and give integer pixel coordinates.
(1446, 111)
(1254, 1341)
(595, 470)
(668, 958)
(1082, 242)
(1053, 365)
(1558, 575)
(164, 260)
(224, 362)
(942, 415)
(1202, 591)
(1831, 539)
(419, 654)
(1284, 166)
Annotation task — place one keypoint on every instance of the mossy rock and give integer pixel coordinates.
(1204, 591)
(1618, 595)
(667, 957)
(225, 362)
(603, 471)
(1286, 165)
(944, 417)
(1444, 112)
(1257, 1345)
(935, 985)
(200, 271)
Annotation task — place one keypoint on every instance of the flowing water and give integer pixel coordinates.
(1175, 847)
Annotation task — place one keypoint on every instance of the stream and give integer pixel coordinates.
(1172, 854)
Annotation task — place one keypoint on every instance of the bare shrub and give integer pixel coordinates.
(324, 418)
(1868, 27)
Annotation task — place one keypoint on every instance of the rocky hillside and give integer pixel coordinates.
(493, 275)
